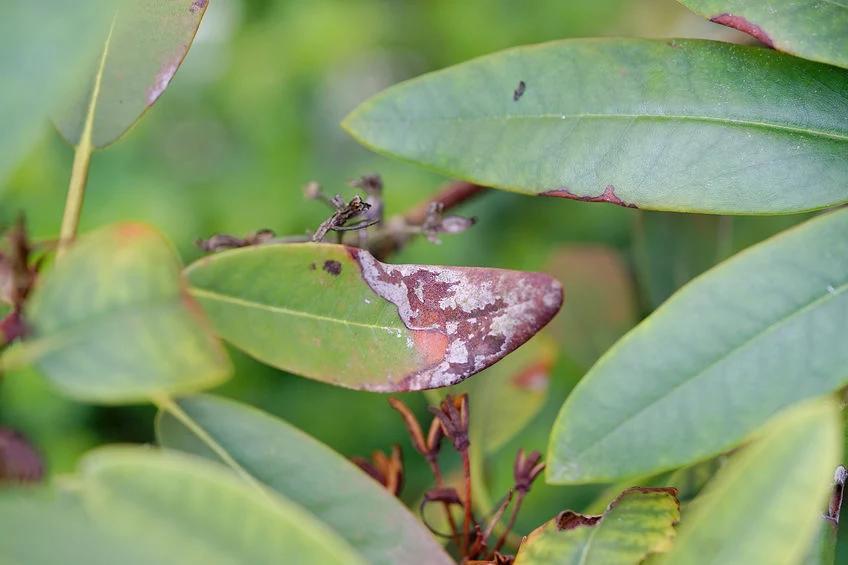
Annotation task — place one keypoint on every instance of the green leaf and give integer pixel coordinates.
(45, 45)
(765, 505)
(684, 125)
(112, 322)
(639, 522)
(601, 305)
(336, 314)
(308, 473)
(748, 338)
(194, 511)
(812, 29)
(143, 51)
(36, 528)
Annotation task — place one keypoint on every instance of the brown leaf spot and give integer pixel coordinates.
(519, 92)
(462, 319)
(312, 266)
(569, 520)
(19, 461)
(645, 490)
(533, 378)
(608, 195)
(332, 267)
(198, 5)
(743, 25)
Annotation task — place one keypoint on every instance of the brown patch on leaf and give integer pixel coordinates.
(645, 490)
(533, 378)
(743, 25)
(19, 461)
(333, 267)
(569, 520)
(519, 92)
(608, 195)
(462, 319)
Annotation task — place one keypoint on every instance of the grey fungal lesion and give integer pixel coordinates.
(483, 313)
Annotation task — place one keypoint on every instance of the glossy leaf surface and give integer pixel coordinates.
(336, 314)
(682, 125)
(146, 46)
(748, 338)
(812, 29)
(637, 523)
(765, 505)
(112, 322)
(308, 473)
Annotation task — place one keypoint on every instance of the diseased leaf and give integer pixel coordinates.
(191, 511)
(112, 322)
(45, 45)
(681, 125)
(144, 49)
(754, 335)
(765, 505)
(601, 305)
(637, 523)
(812, 29)
(823, 549)
(336, 314)
(508, 395)
(308, 473)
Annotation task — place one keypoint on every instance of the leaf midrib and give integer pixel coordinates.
(201, 293)
(778, 323)
(630, 117)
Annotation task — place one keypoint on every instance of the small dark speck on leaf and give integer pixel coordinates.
(312, 266)
(519, 91)
(333, 267)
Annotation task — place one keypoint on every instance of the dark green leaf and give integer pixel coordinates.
(310, 474)
(144, 49)
(112, 322)
(639, 522)
(685, 125)
(813, 29)
(765, 505)
(336, 314)
(759, 332)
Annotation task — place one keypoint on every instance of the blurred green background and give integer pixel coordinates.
(253, 114)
